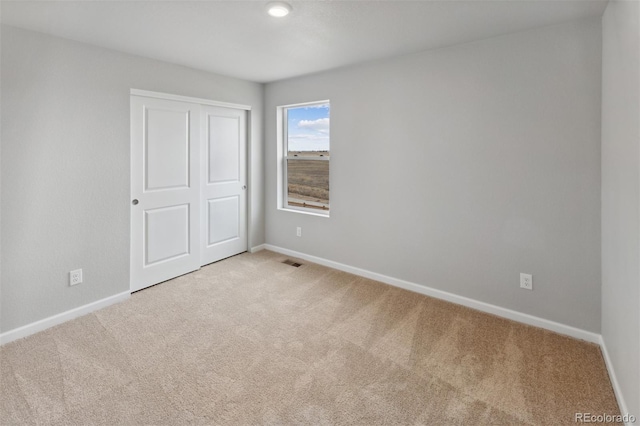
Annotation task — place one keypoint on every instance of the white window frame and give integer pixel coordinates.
(282, 137)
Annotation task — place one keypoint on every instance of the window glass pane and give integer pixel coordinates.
(308, 130)
(308, 184)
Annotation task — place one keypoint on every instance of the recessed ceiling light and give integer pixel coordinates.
(278, 9)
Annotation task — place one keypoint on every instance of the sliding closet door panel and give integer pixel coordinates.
(224, 163)
(165, 190)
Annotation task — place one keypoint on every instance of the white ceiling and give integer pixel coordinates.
(237, 38)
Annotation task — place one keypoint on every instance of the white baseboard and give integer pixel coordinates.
(34, 327)
(449, 297)
(257, 248)
(614, 381)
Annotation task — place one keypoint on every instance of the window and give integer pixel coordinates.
(304, 133)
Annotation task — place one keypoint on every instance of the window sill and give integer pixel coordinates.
(310, 213)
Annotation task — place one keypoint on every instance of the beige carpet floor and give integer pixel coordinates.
(250, 340)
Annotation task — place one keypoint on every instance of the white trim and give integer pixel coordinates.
(302, 210)
(326, 101)
(622, 405)
(201, 101)
(449, 297)
(43, 324)
(249, 191)
(257, 248)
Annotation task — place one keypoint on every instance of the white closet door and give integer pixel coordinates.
(224, 190)
(165, 190)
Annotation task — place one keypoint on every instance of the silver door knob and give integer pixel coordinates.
(134, 202)
(244, 186)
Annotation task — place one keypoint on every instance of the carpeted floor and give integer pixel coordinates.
(250, 340)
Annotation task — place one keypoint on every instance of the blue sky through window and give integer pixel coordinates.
(308, 128)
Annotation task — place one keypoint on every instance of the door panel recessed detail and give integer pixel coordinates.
(222, 218)
(223, 149)
(166, 233)
(166, 145)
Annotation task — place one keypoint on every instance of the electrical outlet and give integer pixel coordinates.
(526, 281)
(75, 277)
(299, 231)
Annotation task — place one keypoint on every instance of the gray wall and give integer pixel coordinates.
(621, 195)
(461, 167)
(65, 166)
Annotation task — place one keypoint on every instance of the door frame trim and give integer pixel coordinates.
(201, 101)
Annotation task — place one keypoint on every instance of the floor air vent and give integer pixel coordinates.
(292, 263)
